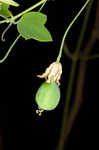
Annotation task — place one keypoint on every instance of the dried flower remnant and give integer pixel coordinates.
(39, 111)
(48, 95)
(52, 73)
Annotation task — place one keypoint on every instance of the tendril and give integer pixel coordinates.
(11, 22)
(4, 32)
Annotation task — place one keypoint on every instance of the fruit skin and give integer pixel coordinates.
(48, 96)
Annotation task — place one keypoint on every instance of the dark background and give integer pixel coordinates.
(18, 76)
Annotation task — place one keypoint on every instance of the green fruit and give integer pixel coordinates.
(48, 96)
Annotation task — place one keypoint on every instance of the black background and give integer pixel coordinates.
(18, 76)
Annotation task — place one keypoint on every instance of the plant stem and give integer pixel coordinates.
(29, 9)
(42, 6)
(79, 56)
(81, 76)
(67, 30)
(70, 85)
(64, 119)
(8, 52)
(25, 11)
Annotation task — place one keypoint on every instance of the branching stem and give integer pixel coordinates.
(25, 11)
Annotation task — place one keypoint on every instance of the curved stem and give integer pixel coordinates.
(15, 17)
(63, 131)
(67, 30)
(3, 34)
(25, 11)
(8, 52)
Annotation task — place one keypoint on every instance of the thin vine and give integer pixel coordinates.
(12, 21)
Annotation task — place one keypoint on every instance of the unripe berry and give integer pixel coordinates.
(48, 96)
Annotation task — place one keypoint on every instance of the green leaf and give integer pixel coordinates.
(32, 26)
(4, 10)
(9, 2)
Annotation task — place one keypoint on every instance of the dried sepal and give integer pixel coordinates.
(39, 111)
(52, 73)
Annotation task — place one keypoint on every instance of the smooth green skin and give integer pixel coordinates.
(48, 96)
